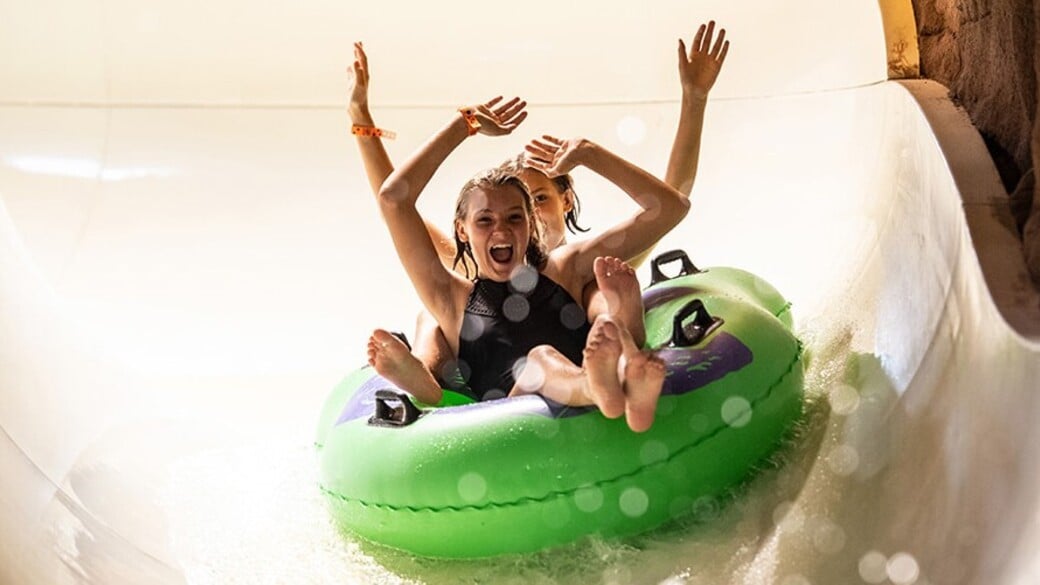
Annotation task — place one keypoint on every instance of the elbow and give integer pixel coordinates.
(684, 205)
(391, 194)
(680, 207)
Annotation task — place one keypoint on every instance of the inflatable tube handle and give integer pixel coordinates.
(388, 414)
(703, 324)
(657, 276)
(400, 335)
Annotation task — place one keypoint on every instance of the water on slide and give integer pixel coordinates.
(190, 258)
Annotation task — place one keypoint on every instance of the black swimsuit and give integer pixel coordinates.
(502, 324)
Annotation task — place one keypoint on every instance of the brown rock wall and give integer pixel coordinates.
(1031, 230)
(985, 51)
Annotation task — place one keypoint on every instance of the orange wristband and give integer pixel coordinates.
(472, 123)
(357, 130)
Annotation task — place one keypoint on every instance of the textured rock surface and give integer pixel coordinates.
(985, 52)
(1031, 232)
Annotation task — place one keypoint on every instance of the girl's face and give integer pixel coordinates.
(497, 229)
(550, 204)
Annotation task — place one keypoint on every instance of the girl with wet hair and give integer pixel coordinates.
(491, 179)
(554, 199)
(510, 323)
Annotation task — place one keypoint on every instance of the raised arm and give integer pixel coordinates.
(698, 70)
(663, 207)
(435, 284)
(374, 157)
(373, 154)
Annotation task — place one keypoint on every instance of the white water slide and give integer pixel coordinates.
(190, 259)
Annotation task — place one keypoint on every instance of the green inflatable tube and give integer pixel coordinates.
(471, 480)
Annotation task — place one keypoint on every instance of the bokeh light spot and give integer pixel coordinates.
(736, 411)
(902, 569)
(828, 537)
(472, 329)
(494, 394)
(698, 423)
(634, 502)
(523, 279)
(516, 308)
(572, 316)
(472, 487)
(653, 452)
(529, 376)
(843, 460)
(588, 499)
(631, 130)
(872, 567)
(556, 517)
(844, 399)
(453, 370)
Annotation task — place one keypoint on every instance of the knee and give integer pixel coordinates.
(425, 321)
(541, 354)
(529, 373)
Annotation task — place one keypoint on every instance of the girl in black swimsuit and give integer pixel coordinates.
(554, 202)
(495, 227)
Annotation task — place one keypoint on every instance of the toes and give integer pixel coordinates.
(606, 328)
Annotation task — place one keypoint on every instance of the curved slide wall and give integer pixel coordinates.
(189, 259)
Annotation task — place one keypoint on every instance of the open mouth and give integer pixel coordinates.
(502, 253)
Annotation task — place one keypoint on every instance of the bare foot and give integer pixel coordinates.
(644, 376)
(391, 358)
(620, 289)
(601, 355)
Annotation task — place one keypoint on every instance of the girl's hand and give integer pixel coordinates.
(498, 119)
(699, 68)
(358, 76)
(553, 156)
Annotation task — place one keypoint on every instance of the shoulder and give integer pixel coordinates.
(561, 268)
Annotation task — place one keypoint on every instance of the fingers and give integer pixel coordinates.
(682, 52)
(547, 143)
(504, 118)
(357, 74)
(544, 150)
(719, 43)
(502, 108)
(545, 167)
(359, 54)
(722, 54)
(513, 109)
(703, 48)
(511, 125)
(696, 46)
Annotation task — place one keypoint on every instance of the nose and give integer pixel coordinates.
(501, 225)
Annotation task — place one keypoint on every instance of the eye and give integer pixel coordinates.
(540, 198)
(516, 217)
(484, 220)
